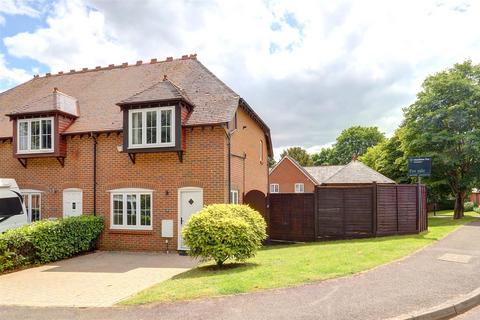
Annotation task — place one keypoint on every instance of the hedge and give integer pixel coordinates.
(468, 206)
(48, 240)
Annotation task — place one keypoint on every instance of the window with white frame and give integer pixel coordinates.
(261, 151)
(152, 127)
(274, 188)
(234, 196)
(33, 204)
(299, 187)
(131, 209)
(35, 135)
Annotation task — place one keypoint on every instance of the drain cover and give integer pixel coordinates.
(460, 258)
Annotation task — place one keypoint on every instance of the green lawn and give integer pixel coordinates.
(288, 265)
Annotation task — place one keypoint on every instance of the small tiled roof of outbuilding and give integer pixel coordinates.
(164, 90)
(322, 173)
(48, 103)
(357, 173)
(98, 91)
(353, 173)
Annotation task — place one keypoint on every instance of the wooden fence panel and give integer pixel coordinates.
(358, 211)
(292, 216)
(387, 212)
(407, 208)
(330, 212)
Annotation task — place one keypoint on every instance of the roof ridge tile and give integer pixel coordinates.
(122, 65)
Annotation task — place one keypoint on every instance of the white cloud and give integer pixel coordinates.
(21, 7)
(11, 76)
(76, 37)
(310, 68)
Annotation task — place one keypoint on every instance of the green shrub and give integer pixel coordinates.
(225, 231)
(468, 206)
(48, 240)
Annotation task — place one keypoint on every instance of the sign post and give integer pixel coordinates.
(419, 167)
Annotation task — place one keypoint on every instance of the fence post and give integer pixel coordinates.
(374, 208)
(396, 205)
(315, 214)
(419, 203)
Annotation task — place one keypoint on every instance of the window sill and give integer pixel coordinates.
(131, 231)
(35, 152)
(146, 146)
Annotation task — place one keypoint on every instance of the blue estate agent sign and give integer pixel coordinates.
(420, 166)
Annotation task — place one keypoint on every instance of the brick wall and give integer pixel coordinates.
(248, 173)
(204, 166)
(286, 174)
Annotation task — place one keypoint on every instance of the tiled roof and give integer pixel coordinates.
(322, 173)
(164, 90)
(99, 90)
(353, 173)
(55, 101)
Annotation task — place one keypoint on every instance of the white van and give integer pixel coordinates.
(12, 209)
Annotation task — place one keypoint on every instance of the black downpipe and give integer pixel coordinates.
(94, 174)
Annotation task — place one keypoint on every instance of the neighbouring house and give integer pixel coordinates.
(144, 145)
(288, 176)
(475, 196)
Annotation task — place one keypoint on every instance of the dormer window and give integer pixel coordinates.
(35, 135)
(153, 120)
(152, 127)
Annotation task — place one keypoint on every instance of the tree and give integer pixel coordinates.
(355, 141)
(325, 157)
(388, 158)
(444, 123)
(299, 154)
(271, 162)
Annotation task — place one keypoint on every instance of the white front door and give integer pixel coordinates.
(190, 201)
(72, 202)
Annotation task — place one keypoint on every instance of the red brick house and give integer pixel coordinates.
(288, 176)
(144, 145)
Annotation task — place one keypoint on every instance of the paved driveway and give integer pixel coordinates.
(99, 279)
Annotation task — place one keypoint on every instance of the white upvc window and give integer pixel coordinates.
(33, 204)
(151, 127)
(234, 196)
(299, 188)
(274, 188)
(131, 209)
(35, 135)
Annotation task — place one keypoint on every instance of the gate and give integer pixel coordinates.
(257, 200)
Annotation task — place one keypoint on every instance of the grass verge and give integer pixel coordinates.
(288, 265)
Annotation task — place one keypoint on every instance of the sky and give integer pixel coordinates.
(309, 68)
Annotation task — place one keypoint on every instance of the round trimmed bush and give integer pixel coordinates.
(225, 231)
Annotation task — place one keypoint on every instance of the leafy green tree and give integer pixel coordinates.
(271, 162)
(325, 157)
(355, 141)
(444, 123)
(299, 154)
(388, 158)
